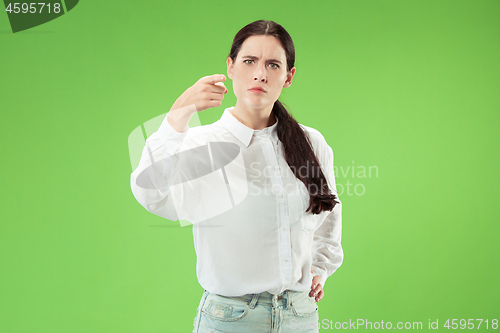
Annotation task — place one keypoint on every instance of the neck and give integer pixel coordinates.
(256, 119)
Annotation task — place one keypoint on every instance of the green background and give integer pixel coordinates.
(410, 87)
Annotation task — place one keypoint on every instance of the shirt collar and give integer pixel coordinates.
(243, 132)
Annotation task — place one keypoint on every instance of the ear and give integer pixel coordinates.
(289, 78)
(229, 62)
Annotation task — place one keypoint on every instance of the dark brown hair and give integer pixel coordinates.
(296, 144)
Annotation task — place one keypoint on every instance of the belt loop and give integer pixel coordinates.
(288, 302)
(254, 300)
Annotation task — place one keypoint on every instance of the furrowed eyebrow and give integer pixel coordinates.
(254, 58)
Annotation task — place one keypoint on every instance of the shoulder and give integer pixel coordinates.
(313, 133)
(318, 142)
(317, 139)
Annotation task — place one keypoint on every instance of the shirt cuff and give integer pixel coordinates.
(165, 126)
(321, 273)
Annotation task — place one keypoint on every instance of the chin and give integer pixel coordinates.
(255, 102)
(256, 105)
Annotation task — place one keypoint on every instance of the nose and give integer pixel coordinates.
(260, 74)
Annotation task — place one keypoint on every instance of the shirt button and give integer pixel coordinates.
(284, 228)
(286, 260)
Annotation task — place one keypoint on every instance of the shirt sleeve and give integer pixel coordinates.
(327, 253)
(150, 180)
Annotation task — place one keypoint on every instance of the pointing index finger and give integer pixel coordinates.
(216, 78)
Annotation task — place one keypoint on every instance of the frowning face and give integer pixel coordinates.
(261, 62)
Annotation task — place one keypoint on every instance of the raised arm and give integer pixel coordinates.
(150, 180)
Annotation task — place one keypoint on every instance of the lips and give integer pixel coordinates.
(257, 88)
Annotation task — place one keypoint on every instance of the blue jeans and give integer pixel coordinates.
(290, 311)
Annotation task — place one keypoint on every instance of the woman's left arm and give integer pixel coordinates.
(327, 253)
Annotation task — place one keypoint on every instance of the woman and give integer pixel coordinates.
(258, 188)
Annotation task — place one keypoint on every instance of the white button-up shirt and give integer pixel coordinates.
(250, 229)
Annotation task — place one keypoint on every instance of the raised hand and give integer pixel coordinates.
(206, 93)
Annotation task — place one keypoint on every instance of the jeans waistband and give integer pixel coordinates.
(284, 297)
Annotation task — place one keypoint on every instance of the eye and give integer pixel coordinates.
(277, 66)
(245, 61)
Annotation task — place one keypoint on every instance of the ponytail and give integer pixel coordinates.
(299, 153)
